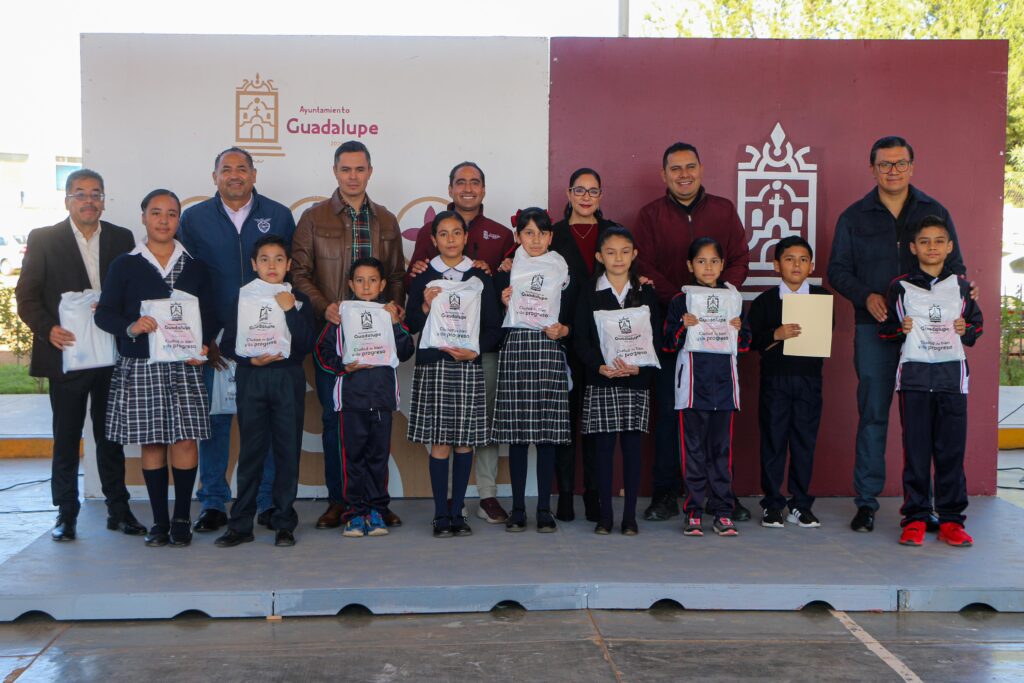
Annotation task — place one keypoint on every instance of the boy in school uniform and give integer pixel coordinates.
(365, 399)
(271, 397)
(789, 410)
(933, 395)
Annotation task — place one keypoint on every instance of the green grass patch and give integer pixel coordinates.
(14, 379)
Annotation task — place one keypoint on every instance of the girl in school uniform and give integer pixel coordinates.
(448, 400)
(532, 399)
(162, 406)
(707, 397)
(617, 398)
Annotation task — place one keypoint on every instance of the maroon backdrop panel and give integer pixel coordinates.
(616, 104)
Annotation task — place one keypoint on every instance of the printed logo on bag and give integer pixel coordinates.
(454, 301)
(625, 327)
(366, 320)
(537, 282)
(263, 224)
(713, 303)
(264, 314)
(176, 313)
(935, 313)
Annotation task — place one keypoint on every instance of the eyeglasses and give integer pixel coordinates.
(887, 166)
(579, 191)
(87, 196)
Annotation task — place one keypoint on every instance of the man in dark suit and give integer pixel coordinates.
(70, 257)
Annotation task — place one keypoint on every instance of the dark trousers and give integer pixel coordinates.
(789, 415)
(331, 437)
(70, 395)
(667, 477)
(630, 444)
(934, 432)
(707, 460)
(271, 406)
(365, 452)
(565, 455)
(876, 361)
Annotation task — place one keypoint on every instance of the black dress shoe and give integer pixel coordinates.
(265, 517)
(630, 529)
(210, 520)
(564, 512)
(157, 537)
(516, 521)
(591, 506)
(390, 518)
(126, 524)
(663, 506)
(545, 522)
(864, 520)
(231, 538)
(284, 538)
(740, 513)
(65, 529)
(181, 532)
(460, 526)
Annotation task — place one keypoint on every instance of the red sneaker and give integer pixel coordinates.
(954, 534)
(913, 534)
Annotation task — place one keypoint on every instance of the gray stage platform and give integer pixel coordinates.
(105, 575)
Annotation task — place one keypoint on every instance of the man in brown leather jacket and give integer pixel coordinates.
(328, 238)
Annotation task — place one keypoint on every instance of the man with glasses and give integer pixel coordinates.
(870, 248)
(663, 231)
(488, 244)
(72, 256)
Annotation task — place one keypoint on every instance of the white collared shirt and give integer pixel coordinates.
(238, 217)
(603, 283)
(164, 271)
(784, 289)
(90, 250)
(454, 272)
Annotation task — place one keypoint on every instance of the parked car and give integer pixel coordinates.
(12, 252)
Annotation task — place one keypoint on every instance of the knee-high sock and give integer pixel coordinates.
(156, 486)
(184, 481)
(545, 474)
(630, 443)
(517, 472)
(604, 448)
(461, 465)
(439, 485)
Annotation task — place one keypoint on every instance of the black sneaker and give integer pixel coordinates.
(442, 527)
(692, 527)
(772, 519)
(663, 506)
(864, 520)
(724, 527)
(740, 513)
(516, 521)
(460, 526)
(804, 518)
(545, 522)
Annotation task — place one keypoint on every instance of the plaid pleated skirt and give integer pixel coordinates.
(532, 400)
(157, 403)
(615, 409)
(448, 404)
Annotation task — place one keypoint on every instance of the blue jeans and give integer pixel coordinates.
(876, 361)
(332, 448)
(214, 490)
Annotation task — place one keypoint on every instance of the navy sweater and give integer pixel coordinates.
(588, 345)
(130, 281)
(300, 324)
(490, 314)
(763, 318)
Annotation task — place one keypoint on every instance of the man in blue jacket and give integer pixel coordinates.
(221, 232)
(862, 264)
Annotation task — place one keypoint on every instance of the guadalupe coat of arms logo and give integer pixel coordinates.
(713, 303)
(454, 301)
(264, 314)
(537, 283)
(625, 326)
(366, 320)
(935, 313)
(176, 314)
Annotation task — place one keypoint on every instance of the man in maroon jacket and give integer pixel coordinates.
(663, 232)
(489, 243)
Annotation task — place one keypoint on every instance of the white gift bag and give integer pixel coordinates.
(179, 328)
(714, 309)
(627, 334)
(222, 395)
(537, 284)
(262, 328)
(367, 334)
(932, 338)
(93, 348)
(454, 318)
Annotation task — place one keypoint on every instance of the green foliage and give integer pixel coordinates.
(14, 333)
(14, 379)
(1011, 342)
(865, 19)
